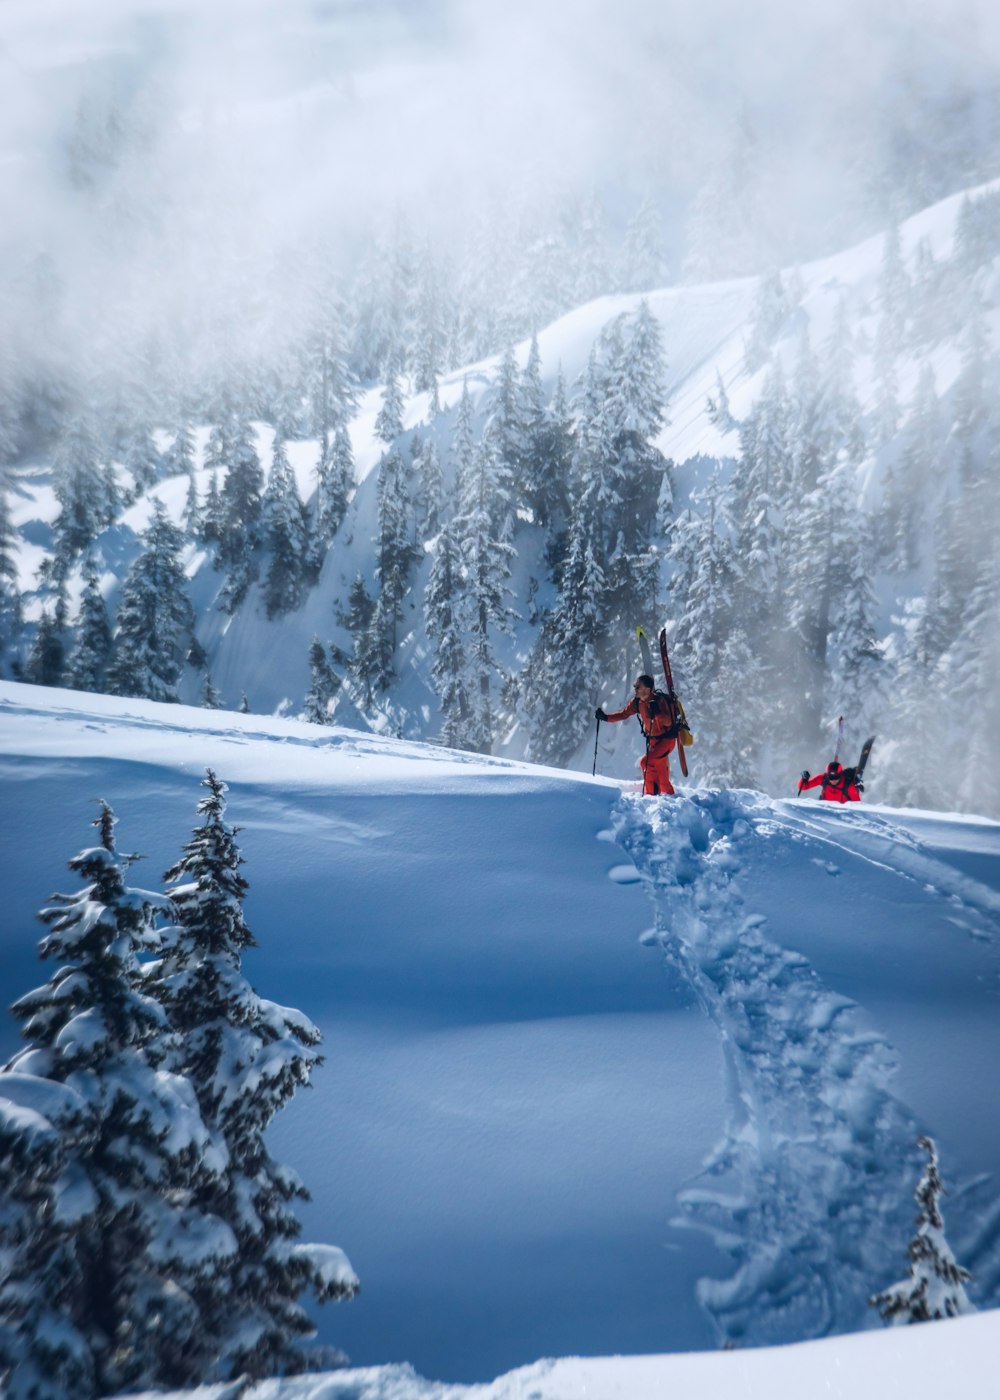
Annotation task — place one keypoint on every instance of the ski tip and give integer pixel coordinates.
(640, 631)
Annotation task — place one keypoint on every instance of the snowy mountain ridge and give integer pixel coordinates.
(515, 1092)
(721, 339)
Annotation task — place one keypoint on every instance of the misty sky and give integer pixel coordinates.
(160, 151)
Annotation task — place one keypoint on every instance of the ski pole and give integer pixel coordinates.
(597, 735)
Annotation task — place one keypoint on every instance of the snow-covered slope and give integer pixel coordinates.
(604, 1074)
(919, 1364)
(705, 332)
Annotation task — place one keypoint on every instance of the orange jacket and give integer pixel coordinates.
(837, 787)
(658, 720)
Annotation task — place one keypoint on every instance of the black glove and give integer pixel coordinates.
(805, 775)
(599, 714)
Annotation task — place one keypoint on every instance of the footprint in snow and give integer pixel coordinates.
(624, 875)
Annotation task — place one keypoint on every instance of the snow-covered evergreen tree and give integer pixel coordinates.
(323, 685)
(11, 616)
(179, 458)
(592, 264)
(126, 1231)
(715, 661)
(87, 502)
(486, 553)
(936, 1286)
(335, 483)
(47, 1130)
(210, 514)
(443, 620)
(330, 381)
(643, 262)
(463, 443)
(826, 442)
(623, 476)
(46, 661)
(549, 464)
(911, 484)
(210, 697)
(389, 419)
(88, 661)
(430, 316)
(570, 656)
(428, 486)
(972, 666)
(239, 513)
(155, 617)
(504, 433)
(284, 536)
(357, 619)
(859, 673)
(893, 297)
(245, 1057)
(771, 310)
(396, 552)
(141, 458)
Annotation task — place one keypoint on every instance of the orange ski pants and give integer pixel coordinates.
(656, 774)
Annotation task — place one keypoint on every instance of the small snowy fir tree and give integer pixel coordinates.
(442, 614)
(771, 311)
(240, 508)
(429, 486)
(486, 554)
(643, 263)
(46, 1202)
(335, 482)
(245, 1058)
(87, 499)
(179, 458)
(91, 652)
(10, 591)
(323, 685)
(389, 419)
(936, 1286)
(285, 536)
(570, 656)
(155, 617)
(47, 658)
(125, 1233)
(210, 697)
(142, 461)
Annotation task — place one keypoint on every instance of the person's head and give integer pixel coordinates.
(833, 766)
(643, 686)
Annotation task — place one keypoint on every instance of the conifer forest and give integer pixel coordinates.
(426, 477)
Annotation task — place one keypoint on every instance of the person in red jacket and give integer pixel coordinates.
(839, 784)
(659, 726)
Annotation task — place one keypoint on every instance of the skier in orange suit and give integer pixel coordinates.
(658, 719)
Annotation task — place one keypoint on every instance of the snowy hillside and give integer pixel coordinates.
(603, 1075)
(922, 1363)
(813, 511)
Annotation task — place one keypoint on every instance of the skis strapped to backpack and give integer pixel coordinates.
(680, 719)
(836, 757)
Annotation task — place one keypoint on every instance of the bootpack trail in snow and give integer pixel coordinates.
(810, 1189)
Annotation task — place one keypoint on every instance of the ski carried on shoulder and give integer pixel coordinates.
(684, 732)
(647, 654)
